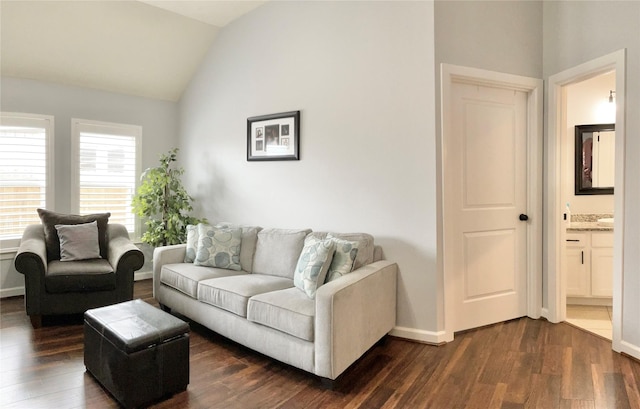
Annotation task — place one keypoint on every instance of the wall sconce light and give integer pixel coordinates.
(611, 96)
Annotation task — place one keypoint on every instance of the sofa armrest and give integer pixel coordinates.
(31, 260)
(31, 257)
(166, 255)
(124, 256)
(352, 314)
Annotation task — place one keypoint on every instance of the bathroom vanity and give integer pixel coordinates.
(589, 254)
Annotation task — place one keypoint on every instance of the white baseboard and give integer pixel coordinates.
(419, 335)
(11, 292)
(544, 313)
(145, 275)
(630, 349)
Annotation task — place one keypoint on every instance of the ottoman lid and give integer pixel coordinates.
(135, 325)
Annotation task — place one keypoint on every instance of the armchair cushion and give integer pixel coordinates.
(50, 219)
(79, 276)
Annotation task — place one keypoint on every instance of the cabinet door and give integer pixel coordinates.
(578, 275)
(602, 264)
(578, 266)
(602, 272)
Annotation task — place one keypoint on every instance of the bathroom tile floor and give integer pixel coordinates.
(595, 319)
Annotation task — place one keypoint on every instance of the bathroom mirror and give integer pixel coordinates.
(595, 159)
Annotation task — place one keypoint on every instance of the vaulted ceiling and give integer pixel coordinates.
(145, 48)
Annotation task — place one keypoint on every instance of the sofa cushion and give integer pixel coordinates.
(277, 251)
(78, 241)
(50, 219)
(313, 264)
(365, 245)
(233, 293)
(218, 247)
(289, 311)
(184, 277)
(79, 276)
(343, 258)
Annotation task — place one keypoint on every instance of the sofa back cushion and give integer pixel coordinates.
(278, 250)
(50, 219)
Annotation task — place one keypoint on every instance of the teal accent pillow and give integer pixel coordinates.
(313, 265)
(218, 247)
(192, 243)
(343, 259)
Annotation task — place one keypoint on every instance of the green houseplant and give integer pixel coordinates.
(164, 202)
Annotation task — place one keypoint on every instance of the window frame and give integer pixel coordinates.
(47, 122)
(79, 126)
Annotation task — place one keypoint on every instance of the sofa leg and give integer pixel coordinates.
(36, 321)
(328, 384)
(165, 308)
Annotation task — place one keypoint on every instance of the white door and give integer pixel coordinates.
(485, 197)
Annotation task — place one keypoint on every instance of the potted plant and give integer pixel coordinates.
(164, 202)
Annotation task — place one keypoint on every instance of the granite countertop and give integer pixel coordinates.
(588, 222)
(587, 226)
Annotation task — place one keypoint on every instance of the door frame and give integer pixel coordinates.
(533, 87)
(556, 295)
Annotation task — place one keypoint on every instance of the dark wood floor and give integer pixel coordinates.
(518, 364)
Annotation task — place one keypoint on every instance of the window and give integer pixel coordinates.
(26, 172)
(106, 169)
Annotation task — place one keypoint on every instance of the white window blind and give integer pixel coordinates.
(107, 169)
(25, 172)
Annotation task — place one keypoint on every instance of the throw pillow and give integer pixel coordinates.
(343, 259)
(313, 265)
(78, 241)
(50, 219)
(192, 243)
(218, 247)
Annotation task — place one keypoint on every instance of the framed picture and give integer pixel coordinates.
(274, 137)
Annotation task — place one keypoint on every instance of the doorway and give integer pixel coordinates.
(588, 108)
(555, 207)
(492, 218)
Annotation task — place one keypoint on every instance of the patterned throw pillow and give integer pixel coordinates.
(218, 247)
(343, 259)
(192, 243)
(313, 265)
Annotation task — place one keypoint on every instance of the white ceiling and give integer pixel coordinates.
(143, 48)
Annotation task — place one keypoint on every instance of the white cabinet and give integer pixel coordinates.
(602, 264)
(589, 264)
(578, 265)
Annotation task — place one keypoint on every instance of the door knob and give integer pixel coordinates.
(524, 217)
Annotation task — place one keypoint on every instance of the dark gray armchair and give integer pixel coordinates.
(68, 287)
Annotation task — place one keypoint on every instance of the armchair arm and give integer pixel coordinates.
(352, 314)
(166, 255)
(124, 256)
(31, 260)
(32, 253)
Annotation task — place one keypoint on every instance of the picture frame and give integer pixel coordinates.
(274, 137)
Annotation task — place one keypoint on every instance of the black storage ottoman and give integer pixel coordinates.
(139, 353)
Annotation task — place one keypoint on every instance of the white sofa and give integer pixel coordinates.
(259, 306)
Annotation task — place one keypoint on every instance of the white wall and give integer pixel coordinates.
(577, 32)
(159, 121)
(362, 74)
(586, 104)
(503, 36)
